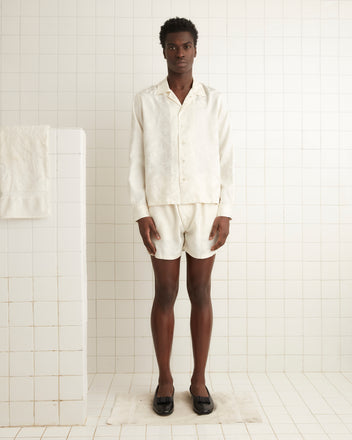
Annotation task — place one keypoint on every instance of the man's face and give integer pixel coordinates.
(179, 51)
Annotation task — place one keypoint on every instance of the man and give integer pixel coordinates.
(181, 185)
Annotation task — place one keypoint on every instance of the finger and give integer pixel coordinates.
(217, 245)
(155, 231)
(219, 242)
(149, 244)
(150, 248)
(213, 230)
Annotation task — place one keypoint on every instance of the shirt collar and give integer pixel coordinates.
(196, 89)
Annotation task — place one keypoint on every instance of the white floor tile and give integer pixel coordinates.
(132, 437)
(235, 429)
(7, 438)
(159, 437)
(185, 437)
(290, 437)
(178, 430)
(294, 406)
(130, 430)
(319, 437)
(237, 437)
(259, 428)
(263, 437)
(212, 437)
(284, 428)
(310, 428)
(334, 428)
(339, 437)
(60, 438)
(31, 431)
(8, 432)
(108, 431)
(83, 437)
(157, 430)
(56, 431)
(79, 431)
(300, 414)
(208, 430)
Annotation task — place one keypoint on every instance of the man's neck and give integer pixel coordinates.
(180, 82)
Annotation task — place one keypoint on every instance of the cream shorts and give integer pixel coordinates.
(184, 227)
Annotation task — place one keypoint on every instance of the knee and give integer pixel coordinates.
(199, 293)
(165, 295)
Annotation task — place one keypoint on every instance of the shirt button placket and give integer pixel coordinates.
(181, 148)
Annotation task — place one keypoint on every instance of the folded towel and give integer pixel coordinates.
(24, 165)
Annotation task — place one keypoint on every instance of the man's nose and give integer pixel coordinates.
(180, 52)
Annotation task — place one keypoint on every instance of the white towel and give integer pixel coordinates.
(24, 172)
(136, 409)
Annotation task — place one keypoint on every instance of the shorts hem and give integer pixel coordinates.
(202, 257)
(166, 258)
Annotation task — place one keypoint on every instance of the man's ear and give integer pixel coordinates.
(164, 52)
(195, 51)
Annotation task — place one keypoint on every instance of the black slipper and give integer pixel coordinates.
(163, 406)
(201, 404)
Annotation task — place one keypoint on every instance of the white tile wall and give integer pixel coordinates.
(43, 301)
(282, 284)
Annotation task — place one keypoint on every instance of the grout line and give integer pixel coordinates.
(57, 276)
(227, 244)
(326, 400)
(7, 245)
(133, 232)
(95, 194)
(284, 359)
(254, 391)
(266, 311)
(340, 339)
(1, 70)
(115, 197)
(245, 184)
(283, 403)
(344, 374)
(320, 219)
(103, 406)
(57, 213)
(302, 194)
(303, 401)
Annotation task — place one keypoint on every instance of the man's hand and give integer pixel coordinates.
(147, 230)
(221, 226)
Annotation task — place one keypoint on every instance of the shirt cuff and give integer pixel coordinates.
(225, 211)
(140, 211)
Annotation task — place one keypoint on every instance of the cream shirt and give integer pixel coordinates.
(180, 153)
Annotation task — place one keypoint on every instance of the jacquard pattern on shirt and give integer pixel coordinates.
(180, 153)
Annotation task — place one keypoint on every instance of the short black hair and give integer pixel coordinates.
(177, 24)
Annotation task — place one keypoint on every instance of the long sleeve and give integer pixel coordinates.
(226, 162)
(137, 164)
(180, 154)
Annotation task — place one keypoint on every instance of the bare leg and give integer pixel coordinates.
(198, 286)
(166, 273)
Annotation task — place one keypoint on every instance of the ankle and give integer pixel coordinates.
(165, 380)
(197, 380)
(165, 388)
